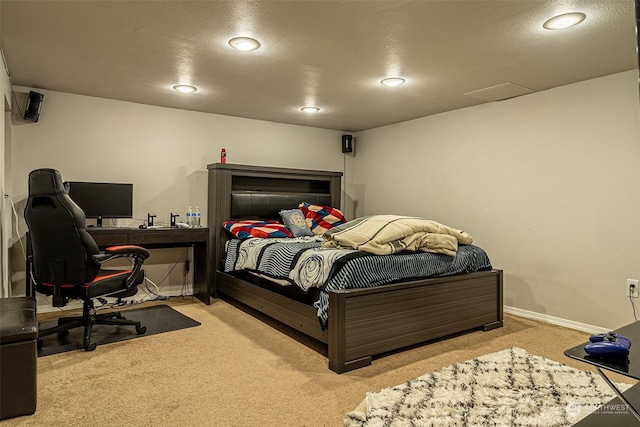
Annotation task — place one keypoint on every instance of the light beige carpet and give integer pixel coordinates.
(235, 370)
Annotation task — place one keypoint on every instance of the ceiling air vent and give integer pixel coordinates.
(499, 92)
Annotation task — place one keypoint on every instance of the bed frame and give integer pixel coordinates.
(362, 322)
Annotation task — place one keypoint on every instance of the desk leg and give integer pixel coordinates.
(619, 394)
(201, 279)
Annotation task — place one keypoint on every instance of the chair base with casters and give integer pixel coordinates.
(87, 320)
(106, 283)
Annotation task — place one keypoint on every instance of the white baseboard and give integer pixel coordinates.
(555, 320)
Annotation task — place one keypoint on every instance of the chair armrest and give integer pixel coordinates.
(138, 254)
(128, 251)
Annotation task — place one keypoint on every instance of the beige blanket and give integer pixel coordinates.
(388, 234)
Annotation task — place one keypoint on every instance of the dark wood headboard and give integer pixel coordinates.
(257, 192)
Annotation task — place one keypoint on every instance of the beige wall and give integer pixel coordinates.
(548, 184)
(164, 152)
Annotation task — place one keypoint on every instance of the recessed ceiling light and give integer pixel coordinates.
(185, 88)
(392, 81)
(563, 21)
(244, 43)
(310, 109)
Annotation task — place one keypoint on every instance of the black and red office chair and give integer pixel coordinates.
(67, 262)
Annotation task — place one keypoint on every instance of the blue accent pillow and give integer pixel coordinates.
(295, 220)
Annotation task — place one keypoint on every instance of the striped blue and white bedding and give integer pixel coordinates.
(303, 263)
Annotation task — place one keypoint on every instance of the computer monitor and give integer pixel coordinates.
(103, 199)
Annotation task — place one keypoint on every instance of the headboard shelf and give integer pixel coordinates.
(275, 185)
(259, 192)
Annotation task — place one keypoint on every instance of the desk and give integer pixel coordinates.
(629, 368)
(198, 238)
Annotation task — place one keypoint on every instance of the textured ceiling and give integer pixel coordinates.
(331, 54)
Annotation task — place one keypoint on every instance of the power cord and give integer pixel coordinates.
(15, 214)
(184, 255)
(156, 223)
(633, 306)
(155, 293)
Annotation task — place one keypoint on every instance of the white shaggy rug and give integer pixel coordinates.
(507, 388)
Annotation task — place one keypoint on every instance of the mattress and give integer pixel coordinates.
(303, 263)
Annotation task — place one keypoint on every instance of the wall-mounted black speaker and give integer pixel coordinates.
(347, 143)
(34, 104)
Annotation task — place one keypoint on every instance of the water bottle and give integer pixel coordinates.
(196, 218)
(190, 217)
(223, 156)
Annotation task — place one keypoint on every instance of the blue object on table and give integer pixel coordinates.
(608, 345)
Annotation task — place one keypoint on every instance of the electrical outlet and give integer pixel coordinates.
(632, 288)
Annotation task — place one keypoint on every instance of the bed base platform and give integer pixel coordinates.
(367, 322)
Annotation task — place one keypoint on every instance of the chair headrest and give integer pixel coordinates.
(46, 181)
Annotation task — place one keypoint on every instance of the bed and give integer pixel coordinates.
(362, 322)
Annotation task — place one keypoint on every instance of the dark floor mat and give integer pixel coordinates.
(157, 319)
